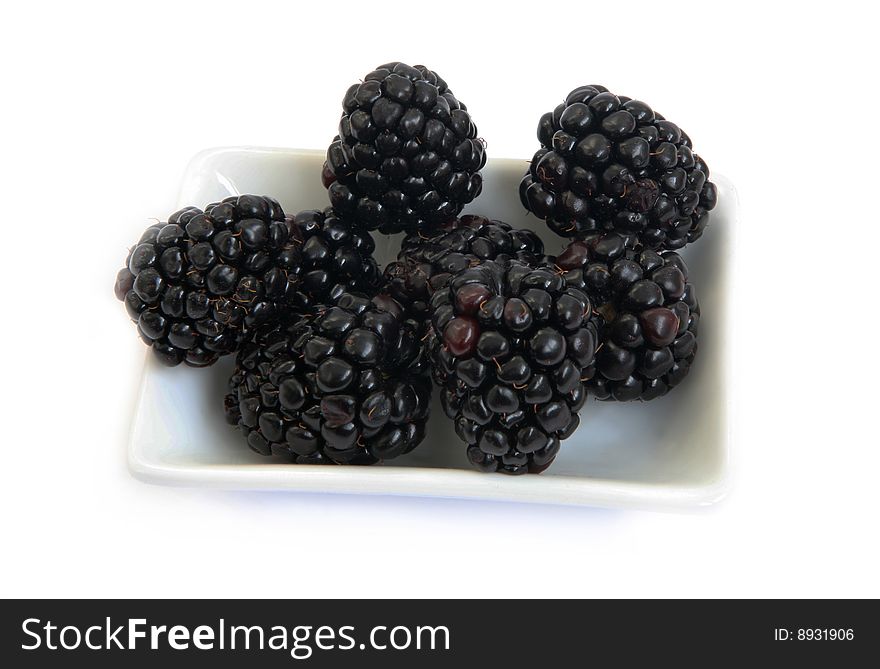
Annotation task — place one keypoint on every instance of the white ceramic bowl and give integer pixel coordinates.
(671, 452)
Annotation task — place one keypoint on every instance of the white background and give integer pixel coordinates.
(103, 105)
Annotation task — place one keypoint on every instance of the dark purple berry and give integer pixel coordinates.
(609, 163)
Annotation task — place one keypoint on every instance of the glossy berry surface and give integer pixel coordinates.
(610, 163)
(648, 314)
(193, 283)
(407, 156)
(196, 284)
(427, 262)
(335, 255)
(510, 346)
(345, 384)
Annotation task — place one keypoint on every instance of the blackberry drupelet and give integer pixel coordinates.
(608, 162)
(509, 347)
(407, 156)
(194, 284)
(427, 262)
(346, 384)
(648, 315)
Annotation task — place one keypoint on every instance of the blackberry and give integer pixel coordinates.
(426, 263)
(194, 284)
(407, 155)
(509, 347)
(335, 256)
(648, 315)
(345, 384)
(608, 162)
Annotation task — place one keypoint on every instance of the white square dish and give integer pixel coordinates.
(671, 452)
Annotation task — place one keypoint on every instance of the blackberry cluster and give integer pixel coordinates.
(195, 284)
(647, 311)
(407, 155)
(427, 262)
(509, 348)
(344, 384)
(608, 162)
(335, 358)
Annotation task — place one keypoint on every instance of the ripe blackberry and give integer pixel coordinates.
(427, 262)
(509, 346)
(194, 284)
(346, 384)
(648, 315)
(407, 155)
(335, 256)
(608, 162)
